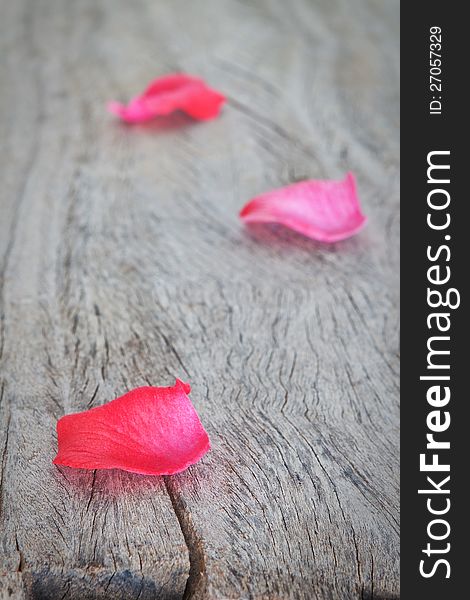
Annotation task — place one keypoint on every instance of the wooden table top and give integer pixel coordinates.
(123, 263)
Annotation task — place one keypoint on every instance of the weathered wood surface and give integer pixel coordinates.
(123, 263)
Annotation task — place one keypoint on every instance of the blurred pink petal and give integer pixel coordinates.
(327, 211)
(168, 94)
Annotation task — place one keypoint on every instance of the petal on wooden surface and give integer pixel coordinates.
(167, 94)
(150, 430)
(324, 210)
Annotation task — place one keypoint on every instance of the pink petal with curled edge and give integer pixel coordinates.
(327, 211)
(150, 430)
(168, 94)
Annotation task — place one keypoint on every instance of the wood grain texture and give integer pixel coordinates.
(123, 263)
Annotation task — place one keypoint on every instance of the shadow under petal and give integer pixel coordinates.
(158, 125)
(285, 239)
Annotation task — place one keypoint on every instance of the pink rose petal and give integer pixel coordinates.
(327, 211)
(150, 430)
(168, 94)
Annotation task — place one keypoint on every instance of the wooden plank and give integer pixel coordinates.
(123, 263)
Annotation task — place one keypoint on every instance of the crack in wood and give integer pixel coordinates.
(197, 579)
